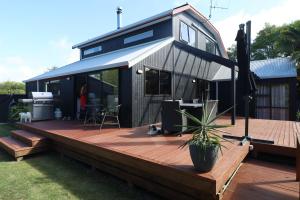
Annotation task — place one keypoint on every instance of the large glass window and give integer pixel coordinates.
(103, 88)
(192, 37)
(187, 34)
(164, 82)
(272, 101)
(184, 32)
(152, 81)
(157, 82)
(210, 46)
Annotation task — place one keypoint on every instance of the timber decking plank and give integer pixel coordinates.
(262, 180)
(160, 156)
(28, 138)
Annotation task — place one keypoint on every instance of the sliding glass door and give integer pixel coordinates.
(103, 88)
(273, 101)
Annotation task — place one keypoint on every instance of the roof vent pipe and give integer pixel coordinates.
(119, 17)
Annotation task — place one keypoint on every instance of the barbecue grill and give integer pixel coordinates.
(40, 106)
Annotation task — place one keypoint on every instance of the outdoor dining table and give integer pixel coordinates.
(192, 105)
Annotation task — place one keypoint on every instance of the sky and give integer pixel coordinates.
(37, 35)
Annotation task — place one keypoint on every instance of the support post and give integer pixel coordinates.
(298, 159)
(233, 96)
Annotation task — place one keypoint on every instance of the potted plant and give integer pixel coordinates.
(205, 143)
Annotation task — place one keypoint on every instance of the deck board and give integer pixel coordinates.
(263, 180)
(283, 133)
(160, 158)
(154, 156)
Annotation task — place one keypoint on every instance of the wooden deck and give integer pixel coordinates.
(263, 180)
(283, 133)
(155, 163)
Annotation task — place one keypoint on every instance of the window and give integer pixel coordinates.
(138, 37)
(187, 34)
(184, 32)
(164, 82)
(210, 46)
(103, 88)
(92, 50)
(157, 82)
(152, 81)
(53, 86)
(192, 37)
(272, 101)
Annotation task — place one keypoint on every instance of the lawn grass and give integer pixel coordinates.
(48, 176)
(5, 129)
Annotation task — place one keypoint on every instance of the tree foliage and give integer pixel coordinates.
(265, 44)
(12, 87)
(274, 41)
(231, 51)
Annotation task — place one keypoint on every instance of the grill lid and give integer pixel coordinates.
(42, 95)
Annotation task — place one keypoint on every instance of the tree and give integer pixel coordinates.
(231, 51)
(264, 45)
(289, 40)
(12, 87)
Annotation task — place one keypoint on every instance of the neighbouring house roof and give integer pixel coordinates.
(274, 68)
(156, 19)
(123, 57)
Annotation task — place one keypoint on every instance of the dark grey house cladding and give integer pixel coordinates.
(154, 32)
(172, 55)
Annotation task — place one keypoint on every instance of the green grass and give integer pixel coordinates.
(47, 176)
(5, 129)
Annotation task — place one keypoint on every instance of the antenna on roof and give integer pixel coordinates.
(211, 7)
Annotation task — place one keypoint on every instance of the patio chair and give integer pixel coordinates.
(112, 114)
(171, 119)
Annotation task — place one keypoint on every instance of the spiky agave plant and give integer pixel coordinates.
(206, 133)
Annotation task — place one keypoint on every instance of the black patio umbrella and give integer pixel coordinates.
(246, 82)
(243, 62)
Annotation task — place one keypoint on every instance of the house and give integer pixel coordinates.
(175, 54)
(276, 96)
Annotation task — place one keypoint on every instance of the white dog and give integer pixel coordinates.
(25, 117)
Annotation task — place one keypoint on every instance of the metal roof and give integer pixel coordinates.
(123, 29)
(122, 57)
(155, 19)
(274, 68)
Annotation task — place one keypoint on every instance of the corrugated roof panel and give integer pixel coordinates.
(274, 68)
(123, 57)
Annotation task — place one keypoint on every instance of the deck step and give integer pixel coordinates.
(29, 138)
(17, 148)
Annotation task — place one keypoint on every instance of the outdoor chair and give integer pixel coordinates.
(172, 120)
(112, 114)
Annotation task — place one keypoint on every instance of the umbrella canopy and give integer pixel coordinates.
(243, 62)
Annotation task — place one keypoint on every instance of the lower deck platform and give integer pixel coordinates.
(156, 163)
